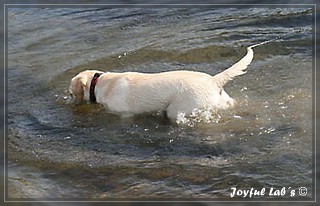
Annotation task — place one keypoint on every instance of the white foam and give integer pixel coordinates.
(206, 115)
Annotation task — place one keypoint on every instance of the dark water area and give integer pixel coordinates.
(59, 150)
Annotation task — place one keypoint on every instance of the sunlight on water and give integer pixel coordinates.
(206, 115)
(83, 151)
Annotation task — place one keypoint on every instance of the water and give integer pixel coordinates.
(59, 150)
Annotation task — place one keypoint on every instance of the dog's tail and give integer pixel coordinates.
(237, 69)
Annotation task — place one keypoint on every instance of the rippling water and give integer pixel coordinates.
(60, 150)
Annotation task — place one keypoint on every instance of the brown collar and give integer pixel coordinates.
(92, 87)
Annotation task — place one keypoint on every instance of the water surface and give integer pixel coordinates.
(60, 150)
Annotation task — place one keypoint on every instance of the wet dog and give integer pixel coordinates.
(174, 92)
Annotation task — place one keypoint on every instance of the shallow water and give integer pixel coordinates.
(85, 152)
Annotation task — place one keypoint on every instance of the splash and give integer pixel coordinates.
(206, 115)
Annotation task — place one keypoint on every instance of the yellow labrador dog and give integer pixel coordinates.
(174, 92)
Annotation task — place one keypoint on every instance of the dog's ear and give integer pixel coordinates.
(79, 86)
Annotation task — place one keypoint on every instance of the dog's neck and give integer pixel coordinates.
(93, 86)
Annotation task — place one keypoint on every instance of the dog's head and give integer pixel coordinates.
(80, 85)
